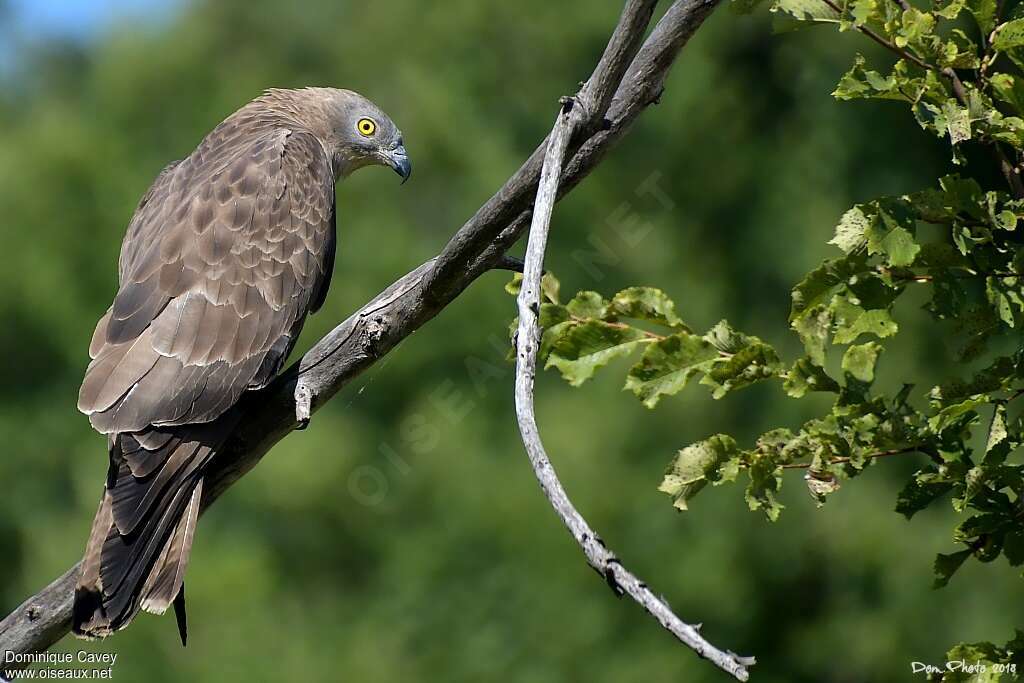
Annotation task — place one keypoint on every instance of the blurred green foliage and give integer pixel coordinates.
(402, 537)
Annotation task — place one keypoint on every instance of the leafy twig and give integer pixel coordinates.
(845, 459)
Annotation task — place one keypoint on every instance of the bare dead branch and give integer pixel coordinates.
(267, 416)
(528, 338)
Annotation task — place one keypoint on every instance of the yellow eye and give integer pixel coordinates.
(366, 127)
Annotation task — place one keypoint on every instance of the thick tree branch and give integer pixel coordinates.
(267, 416)
(528, 336)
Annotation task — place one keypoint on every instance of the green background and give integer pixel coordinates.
(403, 536)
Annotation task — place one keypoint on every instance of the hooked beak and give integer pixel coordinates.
(398, 159)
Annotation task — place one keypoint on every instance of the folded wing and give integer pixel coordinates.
(225, 257)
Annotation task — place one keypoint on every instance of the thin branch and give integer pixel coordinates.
(912, 277)
(510, 263)
(267, 416)
(844, 459)
(1010, 171)
(527, 342)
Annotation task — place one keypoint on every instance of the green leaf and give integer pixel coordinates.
(551, 315)
(916, 26)
(886, 226)
(920, 492)
(746, 366)
(974, 482)
(946, 566)
(936, 119)
(957, 52)
(996, 377)
(805, 376)
(851, 233)
(998, 436)
(956, 417)
(862, 11)
(983, 534)
(890, 234)
(962, 194)
(713, 459)
(951, 9)
(1008, 129)
(1009, 35)
(550, 334)
(940, 256)
(813, 329)
(984, 13)
(765, 482)
(859, 361)
(645, 303)
(549, 286)
(851, 321)
(1009, 89)
(999, 296)
(821, 284)
(956, 414)
(587, 305)
(932, 205)
(515, 284)
(583, 348)
(807, 10)
(978, 324)
(727, 340)
(1013, 548)
(668, 364)
(863, 83)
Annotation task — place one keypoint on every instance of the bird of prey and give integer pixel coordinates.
(226, 254)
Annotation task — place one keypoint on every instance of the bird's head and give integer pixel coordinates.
(357, 133)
